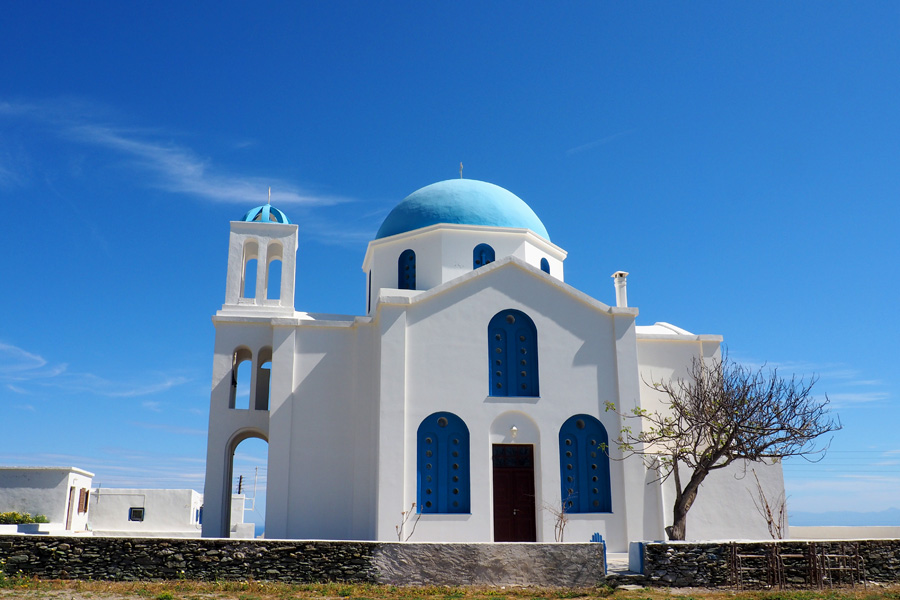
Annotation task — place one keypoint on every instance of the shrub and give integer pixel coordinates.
(17, 518)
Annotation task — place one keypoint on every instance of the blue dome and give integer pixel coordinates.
(464, 202)
(266, 214)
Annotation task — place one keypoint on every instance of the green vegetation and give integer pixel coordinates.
(18, 586)
(17, 518)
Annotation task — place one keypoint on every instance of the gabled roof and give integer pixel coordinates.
(508, 262)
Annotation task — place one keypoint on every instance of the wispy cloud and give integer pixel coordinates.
(844, 399)
(18, 364)
(178, 169)
(21, 369)
(602, 141)
(840, 381)
(158, 160)
(169, 428)
(168, 165)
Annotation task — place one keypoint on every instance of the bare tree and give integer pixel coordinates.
(561, 517)
(775, 512)
(404, 517)
(724, 412)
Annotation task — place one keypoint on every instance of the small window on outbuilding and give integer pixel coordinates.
(136, 513)
(482, 255)
(406, 270)
(545, 265)
(83, 498)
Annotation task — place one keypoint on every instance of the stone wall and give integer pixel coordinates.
(50, 557)
(761, 564)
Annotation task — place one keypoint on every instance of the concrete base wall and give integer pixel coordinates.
(128, 559)
(821, 532)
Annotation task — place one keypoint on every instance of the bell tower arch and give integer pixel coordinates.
(259, 287)
(255, 284)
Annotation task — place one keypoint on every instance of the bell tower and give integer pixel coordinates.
(262, 259)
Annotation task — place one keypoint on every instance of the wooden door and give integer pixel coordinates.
(514, 510)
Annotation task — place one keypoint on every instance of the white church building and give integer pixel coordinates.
(473, 388)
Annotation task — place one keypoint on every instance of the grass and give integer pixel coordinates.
(25, 588)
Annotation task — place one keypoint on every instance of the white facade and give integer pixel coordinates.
(489, 379)
(130, 512)
(58, 493)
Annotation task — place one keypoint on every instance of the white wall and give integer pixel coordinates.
(348, 395)
(820, 532)
(724, 508)
(45, 491)
(170, 511)
(444, 252)
(444, 353)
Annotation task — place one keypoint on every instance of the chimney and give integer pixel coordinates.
(621, 292)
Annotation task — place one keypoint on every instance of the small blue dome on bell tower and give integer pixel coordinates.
(266, 214)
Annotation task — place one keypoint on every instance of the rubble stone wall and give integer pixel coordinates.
(128, 559)
(762, 564)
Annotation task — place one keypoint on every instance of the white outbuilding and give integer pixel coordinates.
(471, 393)
(58, 493)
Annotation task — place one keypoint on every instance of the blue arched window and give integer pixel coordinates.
(584, 465)
(513, 354)
(545, 265)
(442, 464)
(406, 270)
(482, 255)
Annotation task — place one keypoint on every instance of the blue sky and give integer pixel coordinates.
(741, 160)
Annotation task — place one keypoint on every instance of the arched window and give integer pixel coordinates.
(513, 354)
(273, 272)
(248, 281)
(442, 464)
(584, 465)
(241, 365)
(545, 265)
(482, 255)
(263, 379)
(406, 270)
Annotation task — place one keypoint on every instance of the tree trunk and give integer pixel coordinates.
(683, 502)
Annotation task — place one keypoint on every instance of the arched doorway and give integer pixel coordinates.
(246, 470)
(515, 480)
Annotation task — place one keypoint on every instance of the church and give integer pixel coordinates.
(469, 401)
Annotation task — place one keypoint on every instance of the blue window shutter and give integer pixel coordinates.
(442, 465)
(483, 254)
(406, 270)
(513, 355)
(584, 466)
(545, 265)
